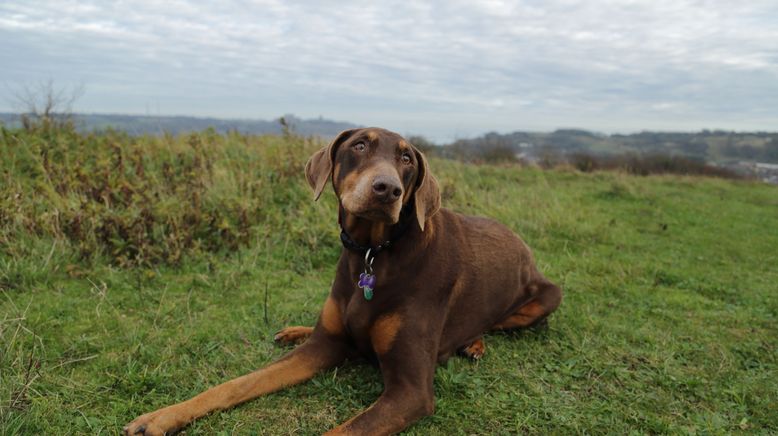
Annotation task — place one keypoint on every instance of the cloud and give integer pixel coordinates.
(442, 68)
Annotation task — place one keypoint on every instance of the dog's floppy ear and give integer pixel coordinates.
(319, 167)
(427, 195)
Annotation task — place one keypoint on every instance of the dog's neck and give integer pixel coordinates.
(363, 231)
(368, 233)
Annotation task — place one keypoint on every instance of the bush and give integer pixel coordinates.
(645, 164)
(143, 200)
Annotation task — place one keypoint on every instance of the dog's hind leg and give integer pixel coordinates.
(293, 335)
(546, 299)
(475, 350)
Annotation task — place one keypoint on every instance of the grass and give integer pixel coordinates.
(668, 323)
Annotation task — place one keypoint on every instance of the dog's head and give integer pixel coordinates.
(375, 173)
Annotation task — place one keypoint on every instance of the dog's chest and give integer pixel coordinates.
(361, 313)
(366, 321)
(359, 319)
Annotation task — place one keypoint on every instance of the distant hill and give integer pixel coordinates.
(714, 146)
(711, 146)
(147, 124)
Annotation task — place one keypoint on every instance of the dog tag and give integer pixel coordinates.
(367, 283)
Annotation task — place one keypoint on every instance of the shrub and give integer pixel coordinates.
(645, 164)
(143, 200)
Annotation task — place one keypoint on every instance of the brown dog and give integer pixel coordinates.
(432, 283)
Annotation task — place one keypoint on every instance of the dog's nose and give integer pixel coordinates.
(387, 189)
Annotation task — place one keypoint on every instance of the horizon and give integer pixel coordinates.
(441, 70)
(451, 140)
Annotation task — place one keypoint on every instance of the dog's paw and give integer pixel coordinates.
(158, 423)
(293, 335)
(475, 350)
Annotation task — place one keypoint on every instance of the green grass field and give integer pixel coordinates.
(136, 272)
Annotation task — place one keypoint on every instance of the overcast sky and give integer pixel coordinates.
(445, 69)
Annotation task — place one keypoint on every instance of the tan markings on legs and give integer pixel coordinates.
(285, 372)
(331, 319)
(383, 332)
(475, 350)
(524, 317)
(293, 335)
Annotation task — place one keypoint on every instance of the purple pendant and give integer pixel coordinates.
(367, 283)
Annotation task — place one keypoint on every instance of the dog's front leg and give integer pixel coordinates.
(408, 368)
(318, 353)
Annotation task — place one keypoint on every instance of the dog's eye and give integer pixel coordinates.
(359, 146)
(406, 158)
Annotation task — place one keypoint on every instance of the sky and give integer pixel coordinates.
(443, 69)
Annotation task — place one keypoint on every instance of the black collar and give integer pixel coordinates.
(406, 218)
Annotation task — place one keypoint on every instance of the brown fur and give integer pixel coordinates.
(449, 279)
(331, 319)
